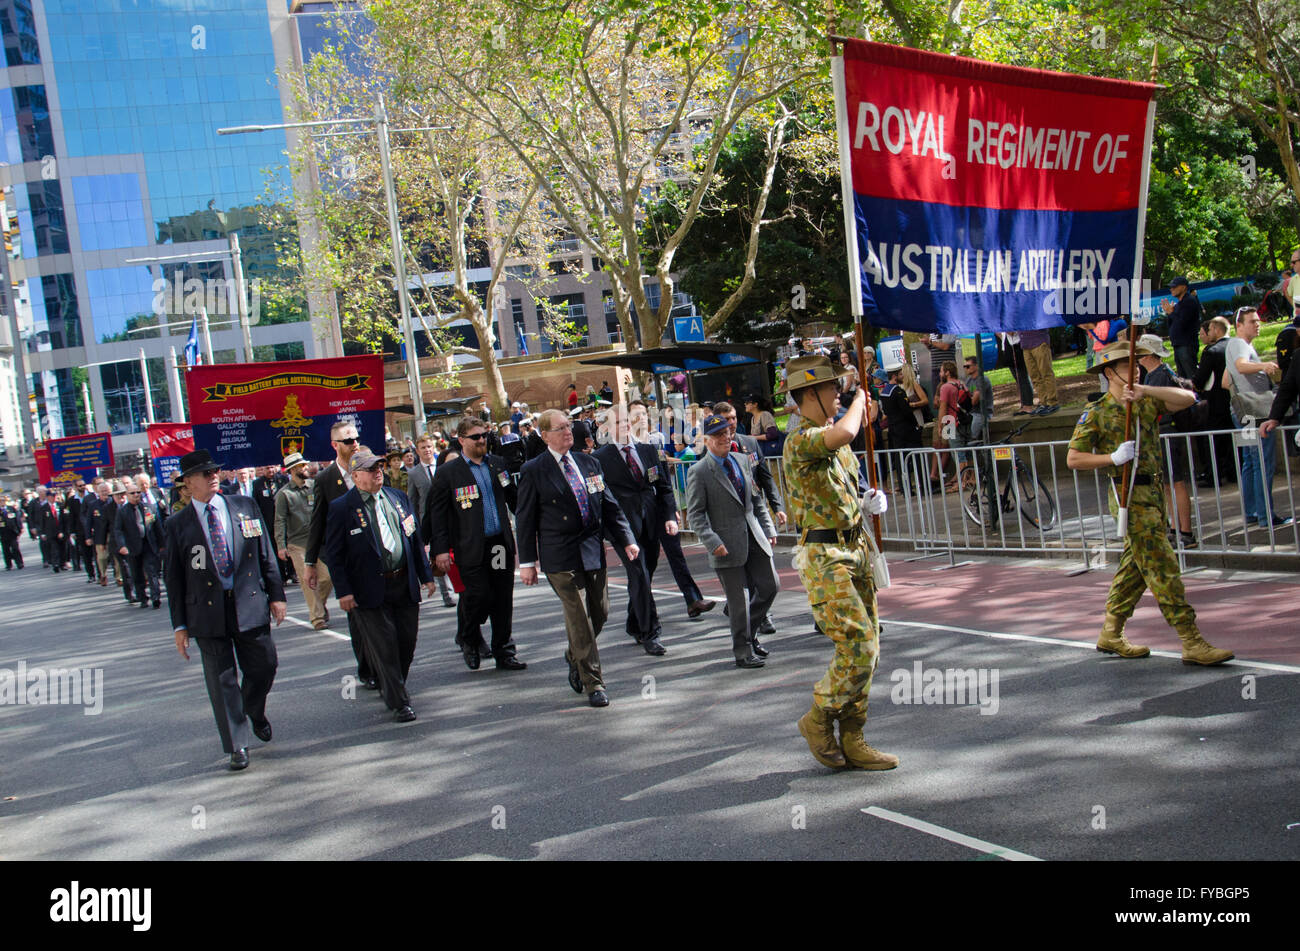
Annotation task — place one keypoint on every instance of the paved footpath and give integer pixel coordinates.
(1067, 755)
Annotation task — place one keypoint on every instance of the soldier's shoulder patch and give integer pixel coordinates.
(1084, 417)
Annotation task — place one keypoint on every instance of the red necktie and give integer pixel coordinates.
(633, 463)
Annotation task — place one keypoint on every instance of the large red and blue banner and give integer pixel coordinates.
(990, 197)
(73, 458)
(167, 443)
(255, 414)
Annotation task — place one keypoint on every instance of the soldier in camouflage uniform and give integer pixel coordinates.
(1148, 560)
(822, 500)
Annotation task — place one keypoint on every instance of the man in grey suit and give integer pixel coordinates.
(730, 517)
(419, 482)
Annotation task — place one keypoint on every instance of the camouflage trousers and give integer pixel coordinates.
(1148, 561)
(843, 598)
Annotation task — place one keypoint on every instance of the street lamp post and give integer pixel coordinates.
(380, 125)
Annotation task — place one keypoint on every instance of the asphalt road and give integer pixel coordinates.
(1085, 757)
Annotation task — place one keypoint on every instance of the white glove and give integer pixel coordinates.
(1125, 453)
(875, 501)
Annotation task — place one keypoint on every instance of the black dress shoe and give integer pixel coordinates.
(144, 604)
(471, 657)
(758, 649)
(575, 678)
(510, 662)
(239, 759)
(262, 730)
(598, 698)
(371, 684)
(766, 626)
(404, 715)
(484, 651)
(699, 607)
(751, 662)
(652, 646)
(157, 605)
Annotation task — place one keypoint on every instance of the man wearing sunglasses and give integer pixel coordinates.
(468, 520)
(334, 482)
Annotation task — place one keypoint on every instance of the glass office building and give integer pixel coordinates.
(109, 111)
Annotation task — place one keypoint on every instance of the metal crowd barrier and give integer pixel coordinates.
(1020, 497)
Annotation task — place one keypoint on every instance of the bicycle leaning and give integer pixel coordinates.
(978, 489)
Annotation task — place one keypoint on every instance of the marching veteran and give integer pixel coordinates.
(821, 476)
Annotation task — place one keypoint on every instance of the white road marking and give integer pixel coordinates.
(929, 828)
(1084, 645)
(326, 631)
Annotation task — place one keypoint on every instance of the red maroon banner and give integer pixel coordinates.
(167, 443)
(990, 197)
(43, 471)
(255, 414)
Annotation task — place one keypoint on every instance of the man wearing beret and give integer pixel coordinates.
(223, 589)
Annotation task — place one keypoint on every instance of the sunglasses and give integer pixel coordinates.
(475, 436)
(350, 441)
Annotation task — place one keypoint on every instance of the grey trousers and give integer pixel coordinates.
(759, 577)
(585, 598)
(233, 703)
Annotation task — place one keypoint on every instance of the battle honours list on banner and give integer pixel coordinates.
(255, 414)
(991, 197)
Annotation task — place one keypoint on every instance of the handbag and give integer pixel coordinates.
(1252, 403)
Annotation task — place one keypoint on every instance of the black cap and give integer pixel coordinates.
(197, 461)
(1179, 281)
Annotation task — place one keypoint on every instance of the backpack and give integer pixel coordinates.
(965, 405)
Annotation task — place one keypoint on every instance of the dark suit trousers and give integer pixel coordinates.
(585, 598)
(389, 632)
(642, 615)
(88, 557)
(365, 669)
(75, 545)
(144, 569)
(672, 545)
(253, 653)
(489, 593)
(12, 552)
(758, 575)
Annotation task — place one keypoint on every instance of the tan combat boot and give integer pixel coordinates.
(819, 730)
(1197, 651)
(1113, 641)
(856, 751)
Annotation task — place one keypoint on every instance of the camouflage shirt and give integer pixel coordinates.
(1101, 430)
(821, 483)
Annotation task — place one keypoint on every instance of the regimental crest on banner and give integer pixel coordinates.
(292, 421)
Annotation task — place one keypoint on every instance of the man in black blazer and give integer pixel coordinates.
(469, 515)
(54, 531)
(265, 485)
(138, 535)
(377, 563)
(223, 589)
(639, 480)
(333, 482)
(564, 511)
(11, 526)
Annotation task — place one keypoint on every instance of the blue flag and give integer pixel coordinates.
(523, 343)
(192, 345)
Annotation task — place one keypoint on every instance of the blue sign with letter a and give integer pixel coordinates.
(689, 329)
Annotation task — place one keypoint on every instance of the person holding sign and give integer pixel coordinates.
(821, 477)
(377, 563)
(1148, 560)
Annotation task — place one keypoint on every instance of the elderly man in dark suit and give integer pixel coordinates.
(730, 516)
(331, 483)
(223, 589)
(138, 534)
(469, 517)
(377, 563)
(565, 509)
(419, 482)
(640, 482)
